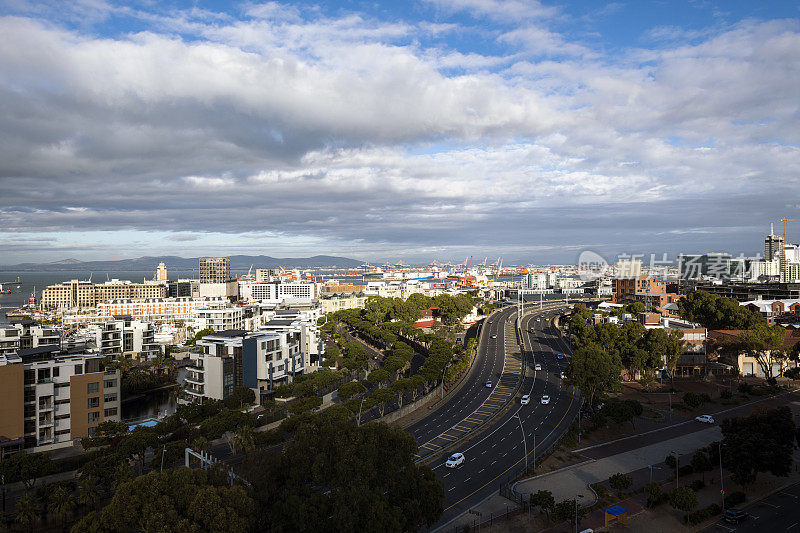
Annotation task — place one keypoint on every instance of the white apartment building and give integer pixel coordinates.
(51, 398)
(27, 334)
(333, 304)
(152, 309)
(257, 291)
(128, 337)
(218, 319)
(258, 360)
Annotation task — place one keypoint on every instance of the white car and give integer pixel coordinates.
(545, 399)
(706, 419)
(489, 384)
(538, 366)
(563, 375)
(455, 460)
(494, 336)
(525, 400)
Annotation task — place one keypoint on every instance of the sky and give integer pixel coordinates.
(414, 130)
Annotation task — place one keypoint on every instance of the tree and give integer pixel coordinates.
(653, 491)
(764, 344)
(136, 444)
(88, 492)
(717, 312)
(245, 438)
(379, 398)
(701, 463)
(26, 467)
(566, 510)
(593, 371)
(175, 501)
(683, 499)
(762, 442)
(334, 476)
(399, 388)
(240, 397)
(350, 389)
(61, 504)
(620, 482)
(305, 404)
(378, 377)
(544, 500)
(27, 511)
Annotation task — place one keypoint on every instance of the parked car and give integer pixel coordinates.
(706, 419)
(735, 516)
(489, 383)
(455, 460)
(525, 400)
(545, 399)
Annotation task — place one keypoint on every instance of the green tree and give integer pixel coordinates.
(593, 371)
(175, 501)
(543, 499)
(61, 505)
(27, 511)
(683, 499)
(88, 492)
(379, 398)
(701, 463)
(305, 404)
(26, 467)
(653, 491)
(762, 442)
(378, 377)
(350, 389)
(764, 344)
(620, 482)
(136, 444)
(566, 511)
(716, 312)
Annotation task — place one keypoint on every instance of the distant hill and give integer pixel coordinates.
(238, 262)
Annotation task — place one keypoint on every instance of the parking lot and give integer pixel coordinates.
(778, 512)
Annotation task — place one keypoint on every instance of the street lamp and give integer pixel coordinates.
(576, 511)
(677, 460)
(525, 442)
(721, 480)
(359, 409)
(443, 372)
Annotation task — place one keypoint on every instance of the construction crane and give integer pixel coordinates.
(466, 272)
(783, 247)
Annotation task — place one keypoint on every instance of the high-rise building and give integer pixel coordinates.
(215, 269)
(161, 272)
(772, 244)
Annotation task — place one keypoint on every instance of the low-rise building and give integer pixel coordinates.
(339, 303)
(127, 337)
(49, 398)
(27, 334)
(218, 319)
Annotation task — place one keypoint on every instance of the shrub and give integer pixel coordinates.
(697, 484)
(685, 470)
(670, 461)
(654, 494)
(772, 381)
(693, 400)
(793, 373)
(726, 394)
(734, 498)
(620, 482)
(745, 388)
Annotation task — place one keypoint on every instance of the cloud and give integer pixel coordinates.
(349, 133)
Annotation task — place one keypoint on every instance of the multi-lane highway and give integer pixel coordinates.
(499, 452)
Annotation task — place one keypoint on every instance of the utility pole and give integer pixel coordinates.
(721, 480)
(359, 410)
(525, 442)
(163, 451)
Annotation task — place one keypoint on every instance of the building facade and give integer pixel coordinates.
(27, 334)
(82, 294)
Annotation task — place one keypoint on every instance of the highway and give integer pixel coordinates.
(498, 454)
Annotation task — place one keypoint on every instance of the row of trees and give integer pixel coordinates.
(452, 308)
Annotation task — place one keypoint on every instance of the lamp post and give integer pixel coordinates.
(163, 451)
(443, 372)
(576, 511)
(359, 409)
(525, 442)
(721, 480)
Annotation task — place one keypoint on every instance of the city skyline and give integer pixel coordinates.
(431, 130)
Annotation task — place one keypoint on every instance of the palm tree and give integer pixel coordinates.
(62, 503)
(27, 511)
(88, 492)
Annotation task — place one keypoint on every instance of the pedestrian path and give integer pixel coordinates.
(503, 392)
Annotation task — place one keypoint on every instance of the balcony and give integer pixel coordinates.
(194, 381)
(191, 392)
(193, 368)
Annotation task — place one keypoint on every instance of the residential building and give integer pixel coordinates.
(183, 288)
(626, 289)
(82, 294)
(746, 364)
(258, 360)
(27, 334)
(772, 245)
(333, 304)
(215, 269)
(218, 318)
(127, 337)
(49, 397)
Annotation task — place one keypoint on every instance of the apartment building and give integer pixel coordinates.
(27, 334)
(82, 294)
(215, 269)
(160, 309)
(331, 305)
(626, 289)
(259, 360)
(218, 318)
(49, 398)
(274, 291)
(128, 337)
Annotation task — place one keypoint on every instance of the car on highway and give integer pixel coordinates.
(706, 419)
(455, 460)
(489, 383)
(560, 356)
(735, 516)
(545, 399)
(494, 336)
(563, 375)
(538, 366)
(525, 400)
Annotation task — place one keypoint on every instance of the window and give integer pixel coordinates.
(94, 417)
(93, 403)
(93, 387)
(78, 369)
(110, 398)
(62, 417)
(63, 431)
(55, 371)
(110, 383)
(112, 411)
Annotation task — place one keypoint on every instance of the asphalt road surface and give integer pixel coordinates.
(499, 454)
(778, 512)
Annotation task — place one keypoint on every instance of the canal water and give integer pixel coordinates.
(153, 405)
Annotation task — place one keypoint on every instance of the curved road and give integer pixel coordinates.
(498, 456)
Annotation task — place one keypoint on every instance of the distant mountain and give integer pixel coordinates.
(238, 262)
